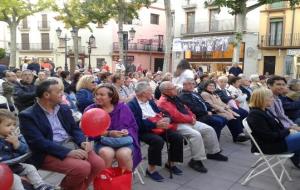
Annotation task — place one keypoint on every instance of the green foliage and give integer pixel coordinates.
(100, 11)
(72, 14)
(2, 53)
(13, 11)
(239, 6)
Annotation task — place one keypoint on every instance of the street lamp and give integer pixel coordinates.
(131, 37)
(58, 33)
(90, 43)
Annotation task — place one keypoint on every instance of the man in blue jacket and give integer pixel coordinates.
(56, 142)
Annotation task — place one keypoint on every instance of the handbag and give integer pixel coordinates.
(159, 131)
(116, 142)
(113, 179)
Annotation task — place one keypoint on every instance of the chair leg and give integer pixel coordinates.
(283, 161)
(139, 176)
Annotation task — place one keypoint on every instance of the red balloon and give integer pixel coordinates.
(95, 122)
(6, 177)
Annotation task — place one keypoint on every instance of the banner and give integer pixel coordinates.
(203, 44)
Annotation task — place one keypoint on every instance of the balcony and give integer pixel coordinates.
(44, 26)
(286, 41)
(139, 47)
(81, 50)
(278, 5)
(24, 28)
(218, 26)
(35, 47)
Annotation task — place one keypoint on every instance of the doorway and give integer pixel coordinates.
(269, 65)
(158, 64)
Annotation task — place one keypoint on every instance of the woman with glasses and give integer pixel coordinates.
(84, 91)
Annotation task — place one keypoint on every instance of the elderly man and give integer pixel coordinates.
(8, 87)
(24, 91)
(203, 139)
(203, 113)
(56, 142)
(144, 109)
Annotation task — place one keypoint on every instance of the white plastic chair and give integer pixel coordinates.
(267, 162)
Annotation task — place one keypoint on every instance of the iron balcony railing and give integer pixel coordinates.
(206, 27)
(81, 49)
(35, 46)
(44, 25)
(286, 40)
(140, 47)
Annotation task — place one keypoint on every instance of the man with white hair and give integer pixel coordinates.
(203, 139)
(155, 132)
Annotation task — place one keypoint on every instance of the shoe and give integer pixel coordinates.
(45, 187)
(218, 156)
(296, 161)
(197, 165)
(241, 138)
(155, 176)
(174, 169)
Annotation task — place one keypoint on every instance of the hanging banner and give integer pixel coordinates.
(203, 44)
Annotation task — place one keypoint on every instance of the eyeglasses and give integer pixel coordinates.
(93, 81)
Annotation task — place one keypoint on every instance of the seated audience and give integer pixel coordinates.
(155, 132)
(245, 86)
(167, 77)
(13, 145)
(277, 85)
(84, 92)
(118, 83)
(183, 70)
(293, 89)
(255, 82)
(56, 142)
(41, 77)
(77, 75)
(10, 80)
(24, 91)
(203, 112)
(122, 124)
(65, 77)
(203, 139)
(270, 134)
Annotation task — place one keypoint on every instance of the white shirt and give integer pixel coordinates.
(120, 67)
(147, 110)
(186, 74)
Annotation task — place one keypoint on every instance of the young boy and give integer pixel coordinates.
(13, 146)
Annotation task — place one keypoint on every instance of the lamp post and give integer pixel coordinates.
(131, 37)
(66, 39)
(90, 43)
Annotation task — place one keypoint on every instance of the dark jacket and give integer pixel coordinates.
(193, 101)
(34, 67)
(8, 152)
(37, 131)
(247, 92)
(223, 95)
(84, 98)
(268, 132)
(235, 71)
(145, 126)
(291, 107)
(24, 95)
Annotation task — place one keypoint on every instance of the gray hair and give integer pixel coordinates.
(254, 77)
(186, 80)
(141, 86)
(292, 84)
(163, 86)
(223, 78)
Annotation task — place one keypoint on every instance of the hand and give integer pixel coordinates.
(13, 139)
(209, 113)
(78, 154)
(115, 133)
(125, 132)
(87, 146)
(162, 124)
(295, 127)
(194, 121)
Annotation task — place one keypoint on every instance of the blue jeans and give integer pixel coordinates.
(293, 142)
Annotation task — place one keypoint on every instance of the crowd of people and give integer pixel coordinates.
(188, 107)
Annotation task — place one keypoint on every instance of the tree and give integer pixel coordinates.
(169, 36)
(121, 10)
(73, 16)
(240, 9)
(2, 53)
(12, 12)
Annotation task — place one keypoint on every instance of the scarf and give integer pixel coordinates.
(179, 105)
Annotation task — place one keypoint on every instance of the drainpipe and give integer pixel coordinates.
(293, 24)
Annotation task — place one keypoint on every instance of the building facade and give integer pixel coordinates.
(280, 40)
(203, 35)
(37, 38)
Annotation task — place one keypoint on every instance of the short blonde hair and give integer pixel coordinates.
(83, 81)
(259, 96)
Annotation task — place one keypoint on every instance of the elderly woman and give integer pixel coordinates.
(255, 82)
(234, 89)
(294, 89)
(218, 107)
(122, 124)
(118, 82)
(84, 91)
(267, 130)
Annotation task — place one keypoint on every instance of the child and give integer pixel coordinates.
(12, 146)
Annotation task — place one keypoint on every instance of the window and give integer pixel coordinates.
(154, 19)
(173, 19)
(25, 23)
(276, 26)
(45, 41)
(213, 20)
(44, 21)
(190, 22)
(25, 41)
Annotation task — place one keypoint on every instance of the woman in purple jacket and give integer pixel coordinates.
(122, 124)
